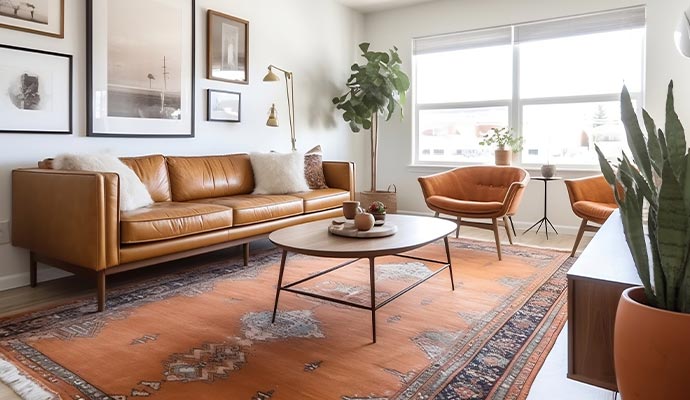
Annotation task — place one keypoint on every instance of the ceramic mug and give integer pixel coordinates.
(350, 209)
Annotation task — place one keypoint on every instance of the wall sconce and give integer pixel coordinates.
(289, 90)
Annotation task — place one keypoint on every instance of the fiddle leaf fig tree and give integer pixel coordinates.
(377, 87)
(659, 173)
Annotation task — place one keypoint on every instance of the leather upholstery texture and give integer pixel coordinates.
(340, 175)
(169, 220)
(193, 178)
(71, 216)
(251, 208)
(591, 198)
(323, 199)
(476, 191)
(153, 172)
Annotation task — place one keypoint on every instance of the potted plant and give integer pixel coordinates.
(377, 87)
(506, 143)
(652, 329)
(378, 210)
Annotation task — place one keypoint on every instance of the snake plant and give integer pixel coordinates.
(658, 173)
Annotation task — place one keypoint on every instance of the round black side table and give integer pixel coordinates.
(544, 221)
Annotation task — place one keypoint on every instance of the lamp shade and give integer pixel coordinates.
(272, 116)
(682, 34)
(271, 76)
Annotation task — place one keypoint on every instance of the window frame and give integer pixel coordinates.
(516, 106)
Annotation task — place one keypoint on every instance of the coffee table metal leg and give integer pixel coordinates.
(372, 282)
(450, 264)
(280, 284)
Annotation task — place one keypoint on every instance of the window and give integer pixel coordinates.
(557, 83)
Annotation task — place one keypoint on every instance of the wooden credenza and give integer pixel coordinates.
(595, 283)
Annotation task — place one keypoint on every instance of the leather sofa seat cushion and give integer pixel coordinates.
(594, 211)
(169, 220)
(322, 199)
(467, 206)
(193, 178)
(153, 172)
(252, 208)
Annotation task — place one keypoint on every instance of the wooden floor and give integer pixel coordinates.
(551, 380)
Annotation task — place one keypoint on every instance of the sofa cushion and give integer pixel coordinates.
(251, 209)
(153, 172)
(593, 211)
(323, 199)
(167, 220)
(193, 178)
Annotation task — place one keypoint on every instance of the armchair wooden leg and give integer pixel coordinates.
(457, 230)
(505, 225)
(100, 283)
(33, 270)
(498, 240)
(512, 226)
(581, 232)
(245, 253)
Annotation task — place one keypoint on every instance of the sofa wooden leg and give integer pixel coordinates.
(33, 270)
(581, 232)
(457, 230)
(498, 240)
(245, 253)
(505, 225)
(100, 283)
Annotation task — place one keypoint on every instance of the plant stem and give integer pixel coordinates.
(374, 148)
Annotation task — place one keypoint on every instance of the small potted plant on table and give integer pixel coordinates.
(506, 143)
(378, 210)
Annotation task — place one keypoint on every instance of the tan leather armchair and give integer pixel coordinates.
(477, 192)
(591, 199)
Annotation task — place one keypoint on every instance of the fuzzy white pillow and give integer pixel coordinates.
(133, 193)
(276, 173)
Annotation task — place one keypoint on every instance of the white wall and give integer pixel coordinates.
(314, 39)
(398, 27)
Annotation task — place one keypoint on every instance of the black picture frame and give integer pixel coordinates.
(69, 101)
(209, 109)
(91, 129)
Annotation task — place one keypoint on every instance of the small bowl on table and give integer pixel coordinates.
(379, 218)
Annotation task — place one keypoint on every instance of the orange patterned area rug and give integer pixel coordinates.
(206, 332)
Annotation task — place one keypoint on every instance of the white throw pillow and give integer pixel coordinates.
(133, 193)
(276, 173)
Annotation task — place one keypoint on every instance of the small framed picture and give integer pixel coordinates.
(227, 48)
(43, 17)
(140, 68)
(223, 106)
(36, 95)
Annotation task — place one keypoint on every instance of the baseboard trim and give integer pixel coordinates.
(520, 226)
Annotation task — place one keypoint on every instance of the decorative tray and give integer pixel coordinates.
(348, 229)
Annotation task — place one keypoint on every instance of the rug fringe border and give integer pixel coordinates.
(21, 384)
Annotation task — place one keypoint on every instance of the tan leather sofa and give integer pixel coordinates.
(71, 219)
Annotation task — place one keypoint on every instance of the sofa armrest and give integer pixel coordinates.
(340, 175)
(69, 216)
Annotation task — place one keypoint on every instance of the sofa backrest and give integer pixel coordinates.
(153, 172)
(204, 177)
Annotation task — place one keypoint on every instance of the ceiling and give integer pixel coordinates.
(366, 6)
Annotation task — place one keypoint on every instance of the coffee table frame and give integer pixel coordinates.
(372, 282)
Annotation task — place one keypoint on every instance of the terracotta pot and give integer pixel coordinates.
(651, 350)
(503, 157)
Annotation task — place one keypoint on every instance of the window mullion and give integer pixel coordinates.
(514, 109)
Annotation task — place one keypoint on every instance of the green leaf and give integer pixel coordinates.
(672, 234)
(606, 168)
(631, 216)
(658, 272)
(653, 145)
(636, 139)
(675, 135)
(364, 47)
(626, 167)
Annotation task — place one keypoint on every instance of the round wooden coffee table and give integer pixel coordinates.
(312, 238)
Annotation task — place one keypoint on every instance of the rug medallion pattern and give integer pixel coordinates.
(206, 332)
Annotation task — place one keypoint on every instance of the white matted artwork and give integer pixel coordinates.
(141, 68)
(227, 48)
(35, 91)
(223, 106)
(43, 17)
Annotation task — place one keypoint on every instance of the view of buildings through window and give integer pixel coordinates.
(561, 94)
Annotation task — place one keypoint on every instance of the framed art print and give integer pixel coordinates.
(35, 91)
(223, 106)
(227, 48)
(43, 17)
(140, 68)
